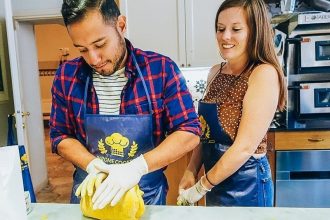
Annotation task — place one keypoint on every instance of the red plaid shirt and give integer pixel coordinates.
(173, 108)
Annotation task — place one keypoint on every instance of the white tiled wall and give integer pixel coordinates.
(196, 81)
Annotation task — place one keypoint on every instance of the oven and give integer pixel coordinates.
(314, 51)
(313, 98)
(307, 69)
(309, 104)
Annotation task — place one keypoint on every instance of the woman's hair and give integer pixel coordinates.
(75, 10)
(261, 45)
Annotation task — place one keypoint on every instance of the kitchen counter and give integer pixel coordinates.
(290, 129)
(52, 211)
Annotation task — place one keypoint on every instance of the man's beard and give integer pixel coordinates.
(118, 60)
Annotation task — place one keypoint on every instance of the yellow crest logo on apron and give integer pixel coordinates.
(117, 143)
(24, 161)
(205, 128)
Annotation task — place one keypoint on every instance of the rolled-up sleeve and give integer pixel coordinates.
(180, 110)
(59, 123)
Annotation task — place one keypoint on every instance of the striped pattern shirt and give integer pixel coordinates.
(108, 90)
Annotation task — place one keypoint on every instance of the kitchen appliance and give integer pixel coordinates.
(303, 178)
(307, 69)
(314, 98)
(314, 52)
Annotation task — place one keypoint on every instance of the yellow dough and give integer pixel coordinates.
(130, 207)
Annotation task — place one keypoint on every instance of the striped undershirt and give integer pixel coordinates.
(108, 90)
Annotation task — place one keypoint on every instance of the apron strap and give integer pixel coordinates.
(85, 95)
(212, 78)
(143, 83)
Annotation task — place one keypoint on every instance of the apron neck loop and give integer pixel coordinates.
(215, 75)
(143, 82)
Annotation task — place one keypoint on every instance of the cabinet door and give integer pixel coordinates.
(202, 48)
(302, 140)
(157, 25)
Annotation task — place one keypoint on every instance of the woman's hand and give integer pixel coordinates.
(187, 181)
(193, 194)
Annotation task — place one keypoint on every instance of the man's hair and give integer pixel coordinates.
(261, 45)
(75, 10)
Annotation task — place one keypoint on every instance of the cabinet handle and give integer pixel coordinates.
(315, 139)
(182, 65)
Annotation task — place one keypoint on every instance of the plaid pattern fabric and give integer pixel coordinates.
(173, 108)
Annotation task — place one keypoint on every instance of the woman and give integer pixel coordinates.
(241, 98)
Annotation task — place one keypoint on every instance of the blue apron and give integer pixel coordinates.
(119, 139)
(251, 185)
(12, 140)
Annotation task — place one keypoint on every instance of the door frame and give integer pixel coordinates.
(26, 88)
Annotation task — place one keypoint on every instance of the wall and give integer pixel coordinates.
(6, 107)
(59, 38)
(37, 7)
(49, 56)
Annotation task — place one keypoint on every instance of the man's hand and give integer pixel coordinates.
(193, 194)
(121, 178)
(93, 179)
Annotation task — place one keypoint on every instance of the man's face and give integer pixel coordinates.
(101, 45)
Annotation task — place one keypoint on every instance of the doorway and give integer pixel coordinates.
(25, 75)
(53, 47)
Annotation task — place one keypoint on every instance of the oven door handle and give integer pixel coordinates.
(294, 40)
(294, 87)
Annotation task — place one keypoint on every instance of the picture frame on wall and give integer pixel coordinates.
(3, 78)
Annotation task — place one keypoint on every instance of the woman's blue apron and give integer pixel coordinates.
(251, 185)
(119, 139)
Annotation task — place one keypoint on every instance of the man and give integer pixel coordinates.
(117, 109)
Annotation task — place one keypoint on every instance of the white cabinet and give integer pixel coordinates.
(37, 9)
(181, 29)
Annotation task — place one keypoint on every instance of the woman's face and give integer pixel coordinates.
(232, 34)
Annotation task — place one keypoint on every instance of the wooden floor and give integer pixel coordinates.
(60, 172)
